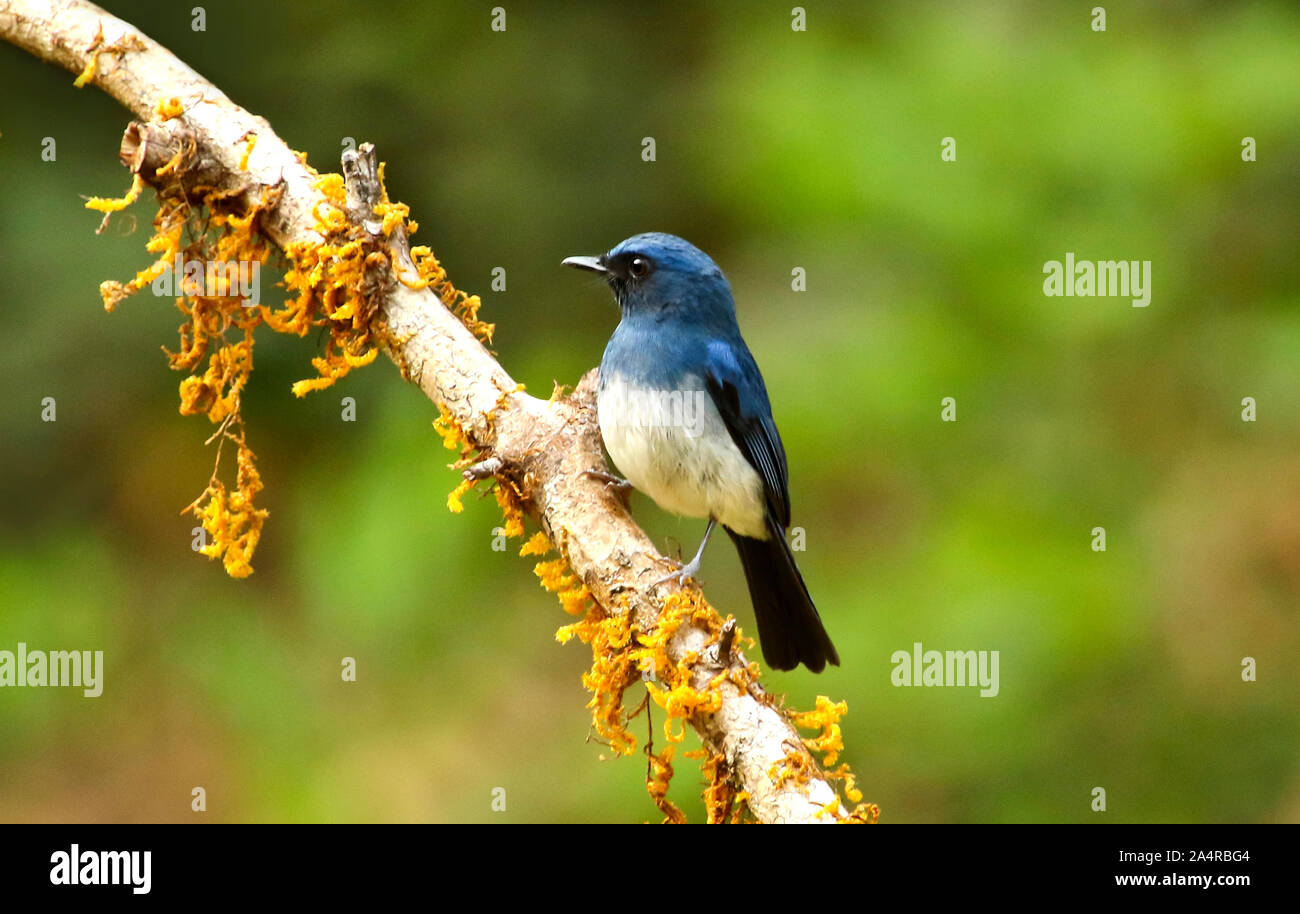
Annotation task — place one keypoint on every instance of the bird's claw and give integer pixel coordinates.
(689, 570)
(611, 481)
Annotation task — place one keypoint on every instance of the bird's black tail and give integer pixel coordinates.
(789, 629)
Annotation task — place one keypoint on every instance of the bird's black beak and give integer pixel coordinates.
(594, 264)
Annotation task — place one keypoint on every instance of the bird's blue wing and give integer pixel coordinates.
(736, 386)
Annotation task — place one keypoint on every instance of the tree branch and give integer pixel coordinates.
(541, 448)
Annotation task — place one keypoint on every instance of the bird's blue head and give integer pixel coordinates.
(658, 277)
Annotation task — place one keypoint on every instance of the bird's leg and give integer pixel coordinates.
(615, 482)
(691, 568)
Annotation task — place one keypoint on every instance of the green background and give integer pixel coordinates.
(775, 149)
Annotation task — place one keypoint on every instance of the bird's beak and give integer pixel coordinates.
(594, 264)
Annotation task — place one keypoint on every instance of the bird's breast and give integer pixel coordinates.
(671, 443)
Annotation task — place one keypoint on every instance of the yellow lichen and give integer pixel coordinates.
(328, 288)
(92, 62)
(449, 430)
(130, 42)
(863, 814)
(230, 519)
(622, 655)
(433, 276)
(658, 776)
(512, 510)
(572, 593)
(88, 72)
(454, 503)
(681, 704)
(329, 279)
(169, 108)
(117, 204)
(722, 801)
(612, 673)
(797, 767)
(826, 718)
(538, 544)
(249, 143)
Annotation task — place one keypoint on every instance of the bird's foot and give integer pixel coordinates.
(611, 481)
(689, 570)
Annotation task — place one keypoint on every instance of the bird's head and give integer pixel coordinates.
(657, 276)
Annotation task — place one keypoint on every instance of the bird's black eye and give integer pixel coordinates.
(639, 267)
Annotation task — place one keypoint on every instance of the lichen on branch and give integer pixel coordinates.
(335, 281)
(623, 655)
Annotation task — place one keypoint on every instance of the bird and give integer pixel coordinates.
(684, 414)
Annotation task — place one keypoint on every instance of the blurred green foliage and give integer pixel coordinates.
(775, 149)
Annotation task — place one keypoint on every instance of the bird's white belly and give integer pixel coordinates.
(673, 446)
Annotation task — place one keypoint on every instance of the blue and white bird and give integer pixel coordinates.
(684, 414)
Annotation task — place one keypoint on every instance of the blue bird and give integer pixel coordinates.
(685, 415)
